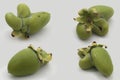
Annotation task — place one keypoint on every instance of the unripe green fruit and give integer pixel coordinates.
(100, 27)
(86, 62)
(37, 21)
(26, 23)
(96, 17)
(14, 22)
(96, 56)
(24, 62)
(27, 61)
(102, 61)
(82, 31)
(23, 10)
(105, 12)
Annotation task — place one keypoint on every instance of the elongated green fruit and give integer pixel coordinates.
(23, 10)
(26, 23)
(102, 61)
(37, 21)
(14, 22)
(103, 11)
(100, 27)
(96, 56)
(28, 61)
(83, 31)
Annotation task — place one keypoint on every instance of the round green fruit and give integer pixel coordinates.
(83, 32)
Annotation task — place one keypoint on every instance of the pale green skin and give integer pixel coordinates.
(86, 62)
(26, 23)
(102, 61)
(37, 21)
(25, 62)
(96, 56)
(105, 12)
(13, 21)
(82, 33)
(100, 27)
(97, 17)
(28, 61)
(23, 10)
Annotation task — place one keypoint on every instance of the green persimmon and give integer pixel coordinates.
(27, 61)
(95, 56)
(103, 11)
(100, 27)
(83, 31)
(26, 23)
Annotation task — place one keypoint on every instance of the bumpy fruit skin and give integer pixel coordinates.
(102, 61)
(100, 27)
(13, 21)
(28, 61)
(105, 12)
(82, 32)
(24, 63)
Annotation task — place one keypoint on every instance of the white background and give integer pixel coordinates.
(59, 37)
